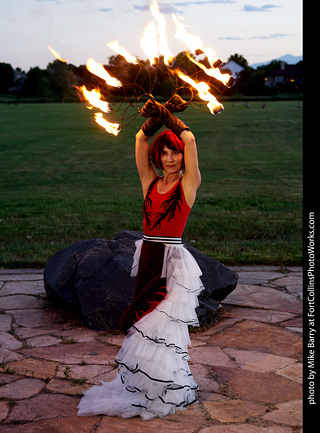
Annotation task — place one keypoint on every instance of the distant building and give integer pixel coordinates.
(290, 76)
(233, 67)
(19, 79)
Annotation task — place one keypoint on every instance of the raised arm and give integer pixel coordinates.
(146, 170)
(192, 178)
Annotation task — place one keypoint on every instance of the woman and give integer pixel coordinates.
(154, 378)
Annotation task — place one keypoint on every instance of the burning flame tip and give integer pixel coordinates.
(98, 70)
(112, 128)
(114, 45)
(57, 55)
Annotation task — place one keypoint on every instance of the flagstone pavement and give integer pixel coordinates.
(248, 363)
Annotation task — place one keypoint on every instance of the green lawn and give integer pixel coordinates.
(64, 179)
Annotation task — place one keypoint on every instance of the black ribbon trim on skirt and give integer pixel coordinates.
(186, 288)
(173, 387)
(137, 370)
(183, 403)
(191, 322)
(179, 350)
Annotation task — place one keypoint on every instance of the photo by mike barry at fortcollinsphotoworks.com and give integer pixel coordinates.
(310, 314)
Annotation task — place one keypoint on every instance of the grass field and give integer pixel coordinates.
(63, 179)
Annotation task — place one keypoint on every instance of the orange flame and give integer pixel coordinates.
(203, 91)
(112, 128)
(153, 42)
(98, 70)
(212, 72)
(94, 98)
(161, 27)
(149, 42)
(114, 45)
(56, 55)
(194, 43)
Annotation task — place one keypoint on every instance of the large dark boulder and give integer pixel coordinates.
(92, 278)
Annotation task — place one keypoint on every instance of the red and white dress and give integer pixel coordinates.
(153, 377)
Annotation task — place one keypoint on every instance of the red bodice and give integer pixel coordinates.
(165, 214)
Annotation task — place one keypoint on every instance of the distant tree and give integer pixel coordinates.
(239, 59)
(274, 64)
(6, 77)
(36, 84)
(62, 79)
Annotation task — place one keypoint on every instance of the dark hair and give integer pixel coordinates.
(165, 138)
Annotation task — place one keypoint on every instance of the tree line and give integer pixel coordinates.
(60, 81)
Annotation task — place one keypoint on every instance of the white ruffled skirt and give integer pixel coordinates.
(154, 378)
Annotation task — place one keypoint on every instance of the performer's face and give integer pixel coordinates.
(171, 160)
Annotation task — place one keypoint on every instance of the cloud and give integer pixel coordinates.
(265, 8)
(172, 8)
(272, 36)
(165, 8)
(203, 2)
(230, 38)
(105, 9)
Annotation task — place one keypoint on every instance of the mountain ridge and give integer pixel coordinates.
(288, 58)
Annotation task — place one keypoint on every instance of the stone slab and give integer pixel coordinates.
(296, 322)
(80, 371)
(21, 389)
(44, 406)
(105, 377)
(187, 421)
(13, 302)
(8, 355)
(289, 413)
(7, 377)
(260, 337)
(264, 297)
(43, 341)
(259, 361)
(291, 283)
(4, 409)
(7, 341)
(258, 387)
(209, 355)
(33, 367)
(23, 288)
(233, 410)
(203, 377)
(92, 352)
(5, 322)
(73, 424)
(258, 277)
(77, 335)
(25, 332)
(260, 315)
(244, 428)
(293, 372)
(66, 387)
(32, 318)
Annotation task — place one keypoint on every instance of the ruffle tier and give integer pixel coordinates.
(154, 378)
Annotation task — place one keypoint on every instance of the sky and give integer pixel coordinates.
(80, 29)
